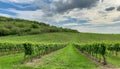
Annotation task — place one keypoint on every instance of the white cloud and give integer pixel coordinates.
(96, 15)
(6, 15)
(31, 15)
(58, 18)
(110, 29)
(84, 28)
(38, 15)
(17, 1)
(70, 24)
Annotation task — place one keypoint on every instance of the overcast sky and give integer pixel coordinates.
(97, 16)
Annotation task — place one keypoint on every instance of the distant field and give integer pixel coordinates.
(61, 38)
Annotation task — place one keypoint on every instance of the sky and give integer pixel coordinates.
(96, 16)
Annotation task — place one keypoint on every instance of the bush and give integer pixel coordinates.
(4, 31)
(34, 26)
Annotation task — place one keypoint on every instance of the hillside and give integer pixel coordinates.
(11, 26)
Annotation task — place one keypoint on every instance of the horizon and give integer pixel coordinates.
(91, 16)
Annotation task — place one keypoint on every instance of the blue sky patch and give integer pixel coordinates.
(17, 6)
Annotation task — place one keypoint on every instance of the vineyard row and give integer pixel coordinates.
(30, 50)
(100, 50)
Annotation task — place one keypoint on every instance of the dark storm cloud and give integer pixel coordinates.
(62, 6)
(102, 0)
(71, 4)
(110, 8)
(118, 9)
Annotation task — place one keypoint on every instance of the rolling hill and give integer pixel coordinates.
(11, 26)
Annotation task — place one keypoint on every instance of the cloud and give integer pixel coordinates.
(6, 15)
(118, 8)
(67, 5)
(38, 15)
(17, 1)
(62, 6)
(31, 15)
(94, 29)
(94, 11)
(84, 29)
(96, 15)
(110, 8)
(70, 24)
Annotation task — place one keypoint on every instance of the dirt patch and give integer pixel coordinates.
(37, 61)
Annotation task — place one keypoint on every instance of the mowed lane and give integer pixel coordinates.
(66, 58)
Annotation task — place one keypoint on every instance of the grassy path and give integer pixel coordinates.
(10, 62)
(67, 58)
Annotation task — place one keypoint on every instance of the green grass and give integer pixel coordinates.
(8, 62)
(60, 38)
(114, 60)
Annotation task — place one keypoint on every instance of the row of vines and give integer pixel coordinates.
(30, 50)
(100, 50)
(10, 48)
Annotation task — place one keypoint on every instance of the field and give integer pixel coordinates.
(61, 38)
(57, 51)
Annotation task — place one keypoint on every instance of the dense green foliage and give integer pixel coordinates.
(30, 50)
(10, 48)
(99, 49)
(37, 50)
(11, 26)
